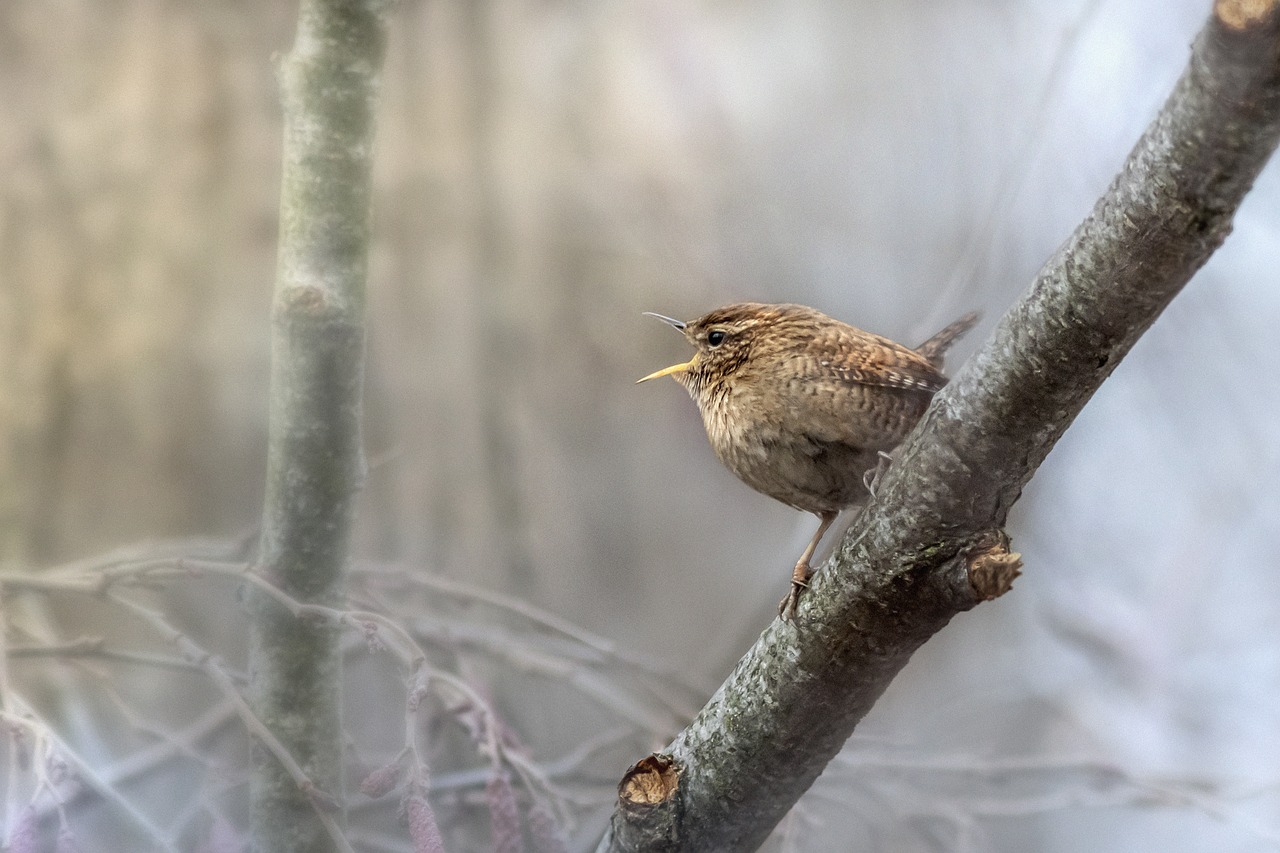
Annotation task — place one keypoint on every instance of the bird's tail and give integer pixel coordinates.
(936, 347)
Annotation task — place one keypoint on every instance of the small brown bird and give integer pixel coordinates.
(801, 406)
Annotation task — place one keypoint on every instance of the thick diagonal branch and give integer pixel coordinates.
(930, 544)
(329, 87)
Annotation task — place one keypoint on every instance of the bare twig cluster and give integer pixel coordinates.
(443, 665)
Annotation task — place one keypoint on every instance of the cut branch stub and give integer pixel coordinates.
(992, 570)
(649, 782)
(648, 796)
(1243, 14)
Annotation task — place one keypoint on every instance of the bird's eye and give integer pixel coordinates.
(715, 339)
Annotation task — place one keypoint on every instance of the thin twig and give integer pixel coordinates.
(26, 717)
(321, 802)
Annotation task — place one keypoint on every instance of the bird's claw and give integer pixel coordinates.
(787, 606)
(871, 479)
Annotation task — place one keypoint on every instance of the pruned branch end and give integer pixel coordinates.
(993, 569)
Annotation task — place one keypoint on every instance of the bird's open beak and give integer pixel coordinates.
(670, 321)
(667, 371)
(675, 368)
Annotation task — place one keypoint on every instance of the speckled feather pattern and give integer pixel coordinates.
(799, 405)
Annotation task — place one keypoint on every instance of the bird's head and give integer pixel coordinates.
(723, 340)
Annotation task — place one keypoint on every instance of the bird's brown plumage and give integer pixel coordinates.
(800, 405)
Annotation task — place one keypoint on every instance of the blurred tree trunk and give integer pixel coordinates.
(329, 85)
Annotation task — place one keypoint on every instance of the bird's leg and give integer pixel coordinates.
(801, 574)
(871, 479)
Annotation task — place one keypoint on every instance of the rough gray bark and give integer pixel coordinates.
(930, 545)
(329, 85)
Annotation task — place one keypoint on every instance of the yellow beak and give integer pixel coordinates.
(675, 368)
(667, 371)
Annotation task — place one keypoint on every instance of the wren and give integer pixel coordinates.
(803, 407)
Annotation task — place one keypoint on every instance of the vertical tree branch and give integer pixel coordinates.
(329, 85)
(930, 544)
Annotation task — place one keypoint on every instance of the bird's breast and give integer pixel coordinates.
(783, 460)
(750, 446)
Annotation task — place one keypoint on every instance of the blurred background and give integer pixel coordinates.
(546, 172)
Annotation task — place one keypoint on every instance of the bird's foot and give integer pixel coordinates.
(871, 479)
(799, 583)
